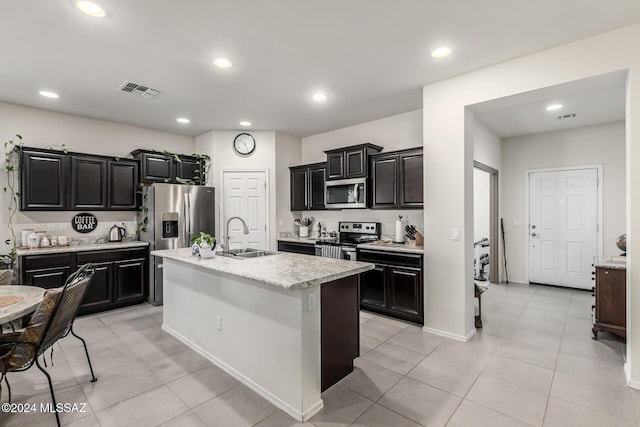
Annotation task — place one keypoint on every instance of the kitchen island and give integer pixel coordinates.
(286, 325)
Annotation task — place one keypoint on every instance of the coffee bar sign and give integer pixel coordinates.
(84, 222)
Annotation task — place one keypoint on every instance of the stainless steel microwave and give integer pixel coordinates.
(346, 193)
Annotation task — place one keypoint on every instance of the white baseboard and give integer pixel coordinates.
(631, 383)
(276, 401)
(449, 335)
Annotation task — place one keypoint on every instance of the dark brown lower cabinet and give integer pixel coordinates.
(129, 279)
(394, 287)
(120, 279)
(340, 329)
(297, 248)
(611, 301)
(100, 292)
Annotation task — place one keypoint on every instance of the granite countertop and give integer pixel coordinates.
(608, 263)
(296, 239)
(284, 270)
(392, 247)
(80, 248)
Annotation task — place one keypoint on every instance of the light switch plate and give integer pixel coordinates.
(455, 233)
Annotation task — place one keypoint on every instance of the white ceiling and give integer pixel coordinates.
(595, 100)
(372, 57)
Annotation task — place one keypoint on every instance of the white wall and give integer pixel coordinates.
(448, 143)
(487, 149)
(43, 128)
(219, 145)
(392, 133)
(288, 153)
(487, 146)
(601, 144)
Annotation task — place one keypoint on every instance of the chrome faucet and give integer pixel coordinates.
(226, 236)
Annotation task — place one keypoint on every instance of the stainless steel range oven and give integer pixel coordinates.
(351, 233)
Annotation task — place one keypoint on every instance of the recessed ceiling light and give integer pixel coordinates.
(222, 63)
(245, 123)
(91, 9)
(48, 94)
(554, 107)
(183, 120)
(441, 52)
(319, 96)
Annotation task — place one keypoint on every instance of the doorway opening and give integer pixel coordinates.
(485, 194)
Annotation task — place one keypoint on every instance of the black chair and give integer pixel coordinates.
(52, 320)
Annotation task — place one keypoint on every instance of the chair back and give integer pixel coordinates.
(62, 318)
(6, 277)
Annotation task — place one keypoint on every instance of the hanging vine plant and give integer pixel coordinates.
(12, 168)
(143, 218)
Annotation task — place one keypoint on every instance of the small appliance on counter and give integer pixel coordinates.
(116, 233)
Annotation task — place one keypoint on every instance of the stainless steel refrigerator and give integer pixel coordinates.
(176, 214)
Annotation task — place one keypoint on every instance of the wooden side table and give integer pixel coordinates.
(611, 301)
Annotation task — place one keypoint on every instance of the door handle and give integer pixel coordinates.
(187, 219)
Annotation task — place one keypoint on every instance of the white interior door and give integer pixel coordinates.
(245, 195)
(563, 227)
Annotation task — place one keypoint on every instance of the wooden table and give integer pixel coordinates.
(18, 300)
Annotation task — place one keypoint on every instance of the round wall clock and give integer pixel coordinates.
(244, 144)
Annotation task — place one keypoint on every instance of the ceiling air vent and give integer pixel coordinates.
(567, 116)
(138, 89)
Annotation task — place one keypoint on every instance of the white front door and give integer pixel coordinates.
(245, 196)
(563, 227)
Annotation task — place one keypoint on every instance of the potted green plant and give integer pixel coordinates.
(203, 245)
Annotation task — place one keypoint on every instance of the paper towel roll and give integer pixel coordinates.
(399, 232)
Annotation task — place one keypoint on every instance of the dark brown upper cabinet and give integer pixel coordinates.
(88, 183)
(55, 181)
(43, 180)
(397, 179)
(299, 184)
(155, 167)
(411, 179)
(123, 185)
(350, 162)
(190, 169)
(169, 168)
(384, 173)
(317, 178)
(307, 186)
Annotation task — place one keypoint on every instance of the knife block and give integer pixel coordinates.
(419, 240)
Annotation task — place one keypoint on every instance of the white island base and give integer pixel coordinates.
(272, 339)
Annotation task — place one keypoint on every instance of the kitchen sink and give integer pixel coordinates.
(244, 253)
(254, 254)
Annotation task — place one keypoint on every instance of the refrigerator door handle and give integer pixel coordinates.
(187, 219)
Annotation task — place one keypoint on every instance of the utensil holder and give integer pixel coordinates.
(419, 241)
(304, 231)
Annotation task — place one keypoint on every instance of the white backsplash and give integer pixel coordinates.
(386, 218)
(56, 224)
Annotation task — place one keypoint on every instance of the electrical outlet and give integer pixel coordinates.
(219, 322)
(51, 227)
(311, 301)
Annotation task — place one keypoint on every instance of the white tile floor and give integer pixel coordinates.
(534, 363)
